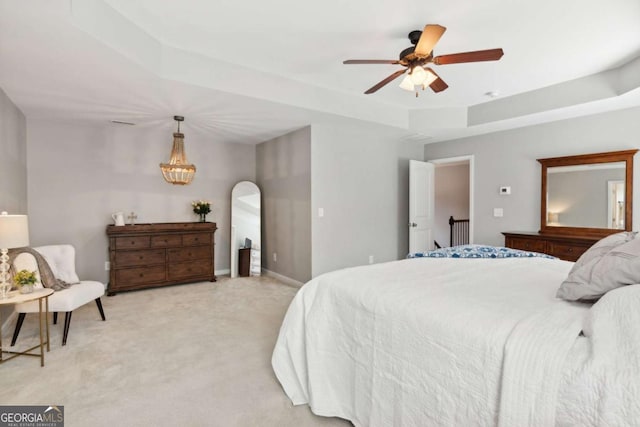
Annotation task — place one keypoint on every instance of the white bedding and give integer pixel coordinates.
(421, 342)
(601, 381)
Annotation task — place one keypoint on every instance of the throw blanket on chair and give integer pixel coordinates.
(46, 275)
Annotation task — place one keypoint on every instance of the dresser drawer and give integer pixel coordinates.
(143, 257)
(566, 251)
(135, 276)
(196, 239)
(531, 245)
(188, 254)
(165, 241)
(185, 270)
(133, 242)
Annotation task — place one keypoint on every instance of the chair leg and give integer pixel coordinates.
(67, 322)
(99, 304)
(18, 326)
(55, 317)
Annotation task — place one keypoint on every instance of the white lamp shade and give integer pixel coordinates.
(407, 84)
(14, 231)
(418, 74)
(429, 78)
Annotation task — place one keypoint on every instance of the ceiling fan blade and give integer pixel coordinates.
(438, 85)
(371, 61)
(475, 56)
(389, 79)
(430, 36)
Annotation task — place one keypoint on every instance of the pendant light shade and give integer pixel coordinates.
(178, 171)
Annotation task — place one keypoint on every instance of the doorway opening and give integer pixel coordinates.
(453, 198)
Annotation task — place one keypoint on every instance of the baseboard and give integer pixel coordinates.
(223, 272)
(284, 279)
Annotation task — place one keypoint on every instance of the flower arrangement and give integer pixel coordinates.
(24, 280)
(202, 208)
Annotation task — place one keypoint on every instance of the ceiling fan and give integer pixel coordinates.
(420, 54)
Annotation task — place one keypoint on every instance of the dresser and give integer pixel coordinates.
(248, 262)
(150, 255)
(568, 248)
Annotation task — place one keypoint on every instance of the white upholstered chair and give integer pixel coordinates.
(61, 259)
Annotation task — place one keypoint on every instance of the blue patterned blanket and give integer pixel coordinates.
(478, 251)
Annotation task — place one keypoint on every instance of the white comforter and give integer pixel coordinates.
(429, 342)
(601, 381)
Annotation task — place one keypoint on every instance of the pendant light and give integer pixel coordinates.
(178, 171)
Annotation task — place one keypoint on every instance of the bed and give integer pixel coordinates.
(445, 341)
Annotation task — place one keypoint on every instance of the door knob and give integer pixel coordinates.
(413, 224)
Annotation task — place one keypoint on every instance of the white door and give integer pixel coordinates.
(421, 200)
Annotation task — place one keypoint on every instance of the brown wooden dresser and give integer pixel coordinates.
(149, 255)
(564, 247)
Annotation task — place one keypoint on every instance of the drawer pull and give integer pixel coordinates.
(141, 257)
(141, 274)
(570, 250)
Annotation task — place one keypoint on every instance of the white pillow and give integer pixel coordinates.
(26, 261)
(603, 247)
(618, 267)
(62, 260)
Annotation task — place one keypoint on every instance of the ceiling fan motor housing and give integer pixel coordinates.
(414, 36)
(407, 51)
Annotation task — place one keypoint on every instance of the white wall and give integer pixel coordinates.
(509, 158)
(13, 157)
(360, 177)
(283, 173)
(451, 198)
(79, 174)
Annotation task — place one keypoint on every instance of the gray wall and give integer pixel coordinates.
(13, 157)
(283, 173)
(451, 197)
(360, 177)
(509, 158)
(78, 174)
(13, 164)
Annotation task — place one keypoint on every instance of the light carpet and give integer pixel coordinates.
(188, 355)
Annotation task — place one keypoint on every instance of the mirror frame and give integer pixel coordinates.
(585, 159)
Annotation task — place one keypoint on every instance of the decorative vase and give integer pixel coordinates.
(26, 289)
(203, 217)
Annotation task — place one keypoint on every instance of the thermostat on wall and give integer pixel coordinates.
(505, 190)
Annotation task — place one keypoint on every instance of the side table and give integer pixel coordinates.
(16, 297)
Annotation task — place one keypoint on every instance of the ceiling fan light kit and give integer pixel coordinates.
(418, 78)
(416, 57)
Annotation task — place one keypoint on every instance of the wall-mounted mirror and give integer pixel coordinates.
(245, 230)
(587, 195)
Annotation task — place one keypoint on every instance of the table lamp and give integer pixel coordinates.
(14, 233)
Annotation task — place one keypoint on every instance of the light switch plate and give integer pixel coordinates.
(498, 212)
